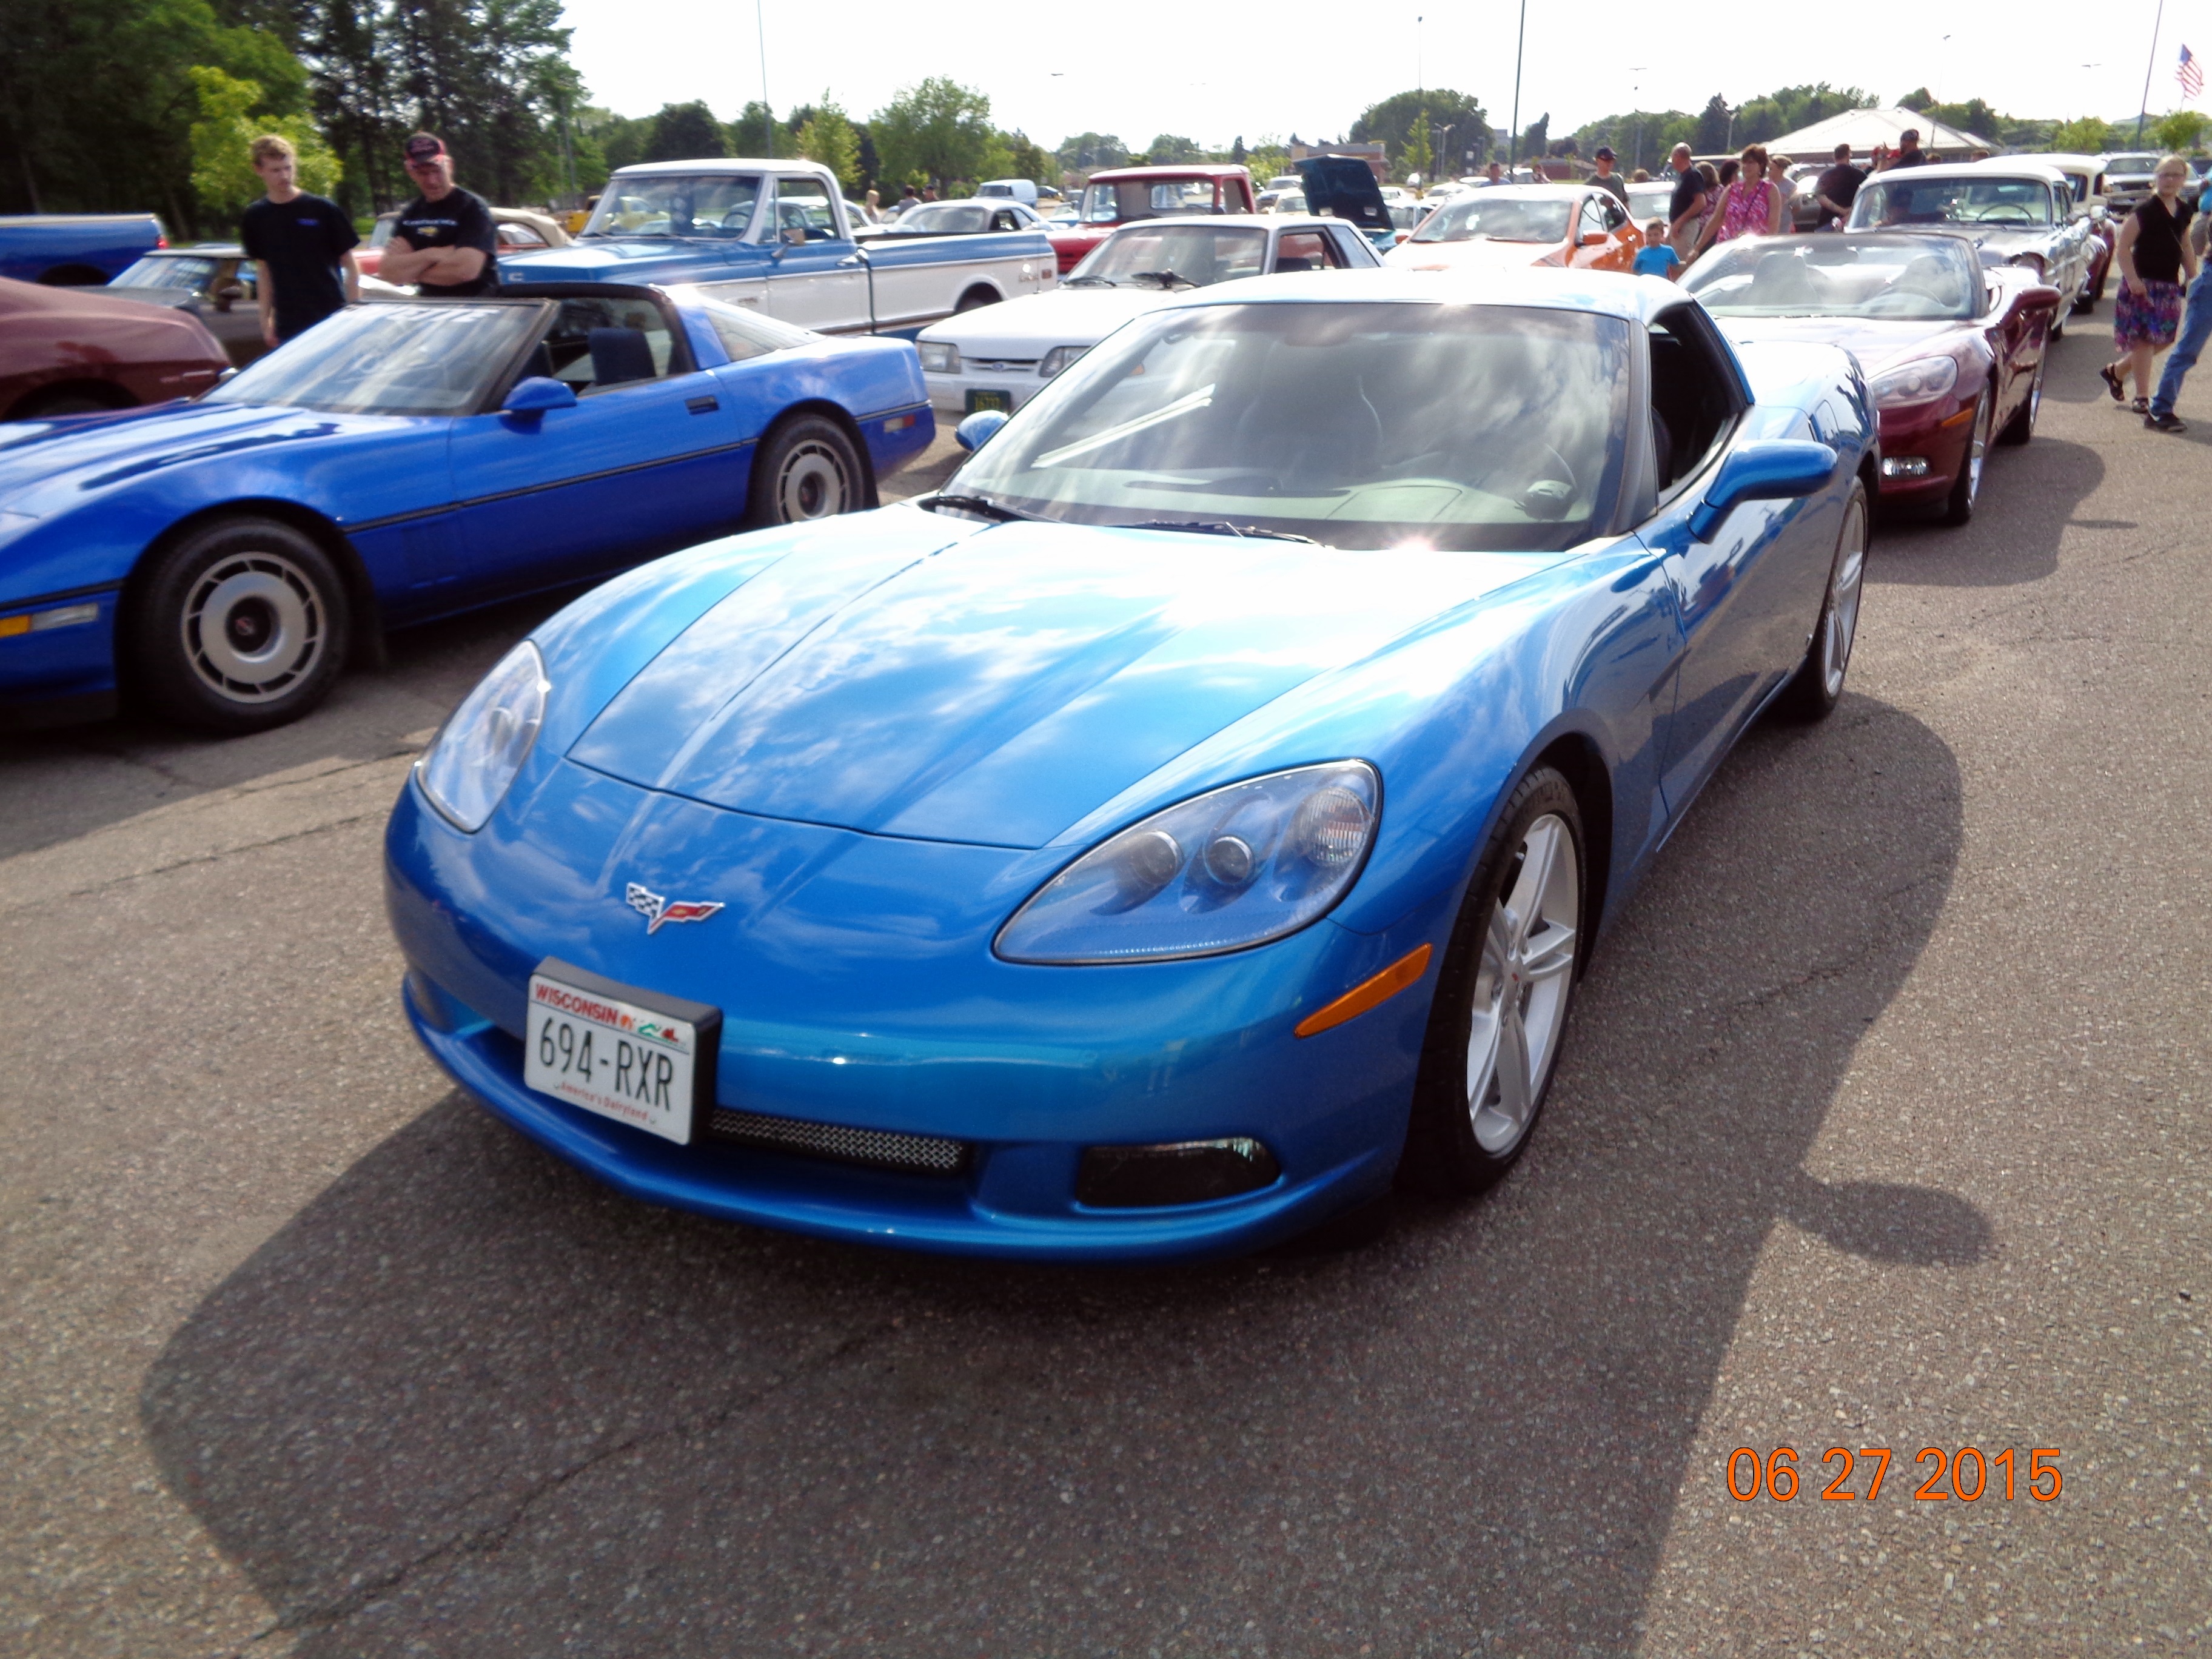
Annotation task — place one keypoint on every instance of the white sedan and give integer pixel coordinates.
(999, 356)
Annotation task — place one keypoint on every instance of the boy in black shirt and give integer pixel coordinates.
(301, 247)
(444, 241)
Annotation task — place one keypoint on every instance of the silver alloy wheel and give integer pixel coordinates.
(1840, 626)
(1522, 986)
(1978, 447)
(2035, 393)
(253, 626)
(811, 484)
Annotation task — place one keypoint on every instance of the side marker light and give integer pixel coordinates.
(1368, 994)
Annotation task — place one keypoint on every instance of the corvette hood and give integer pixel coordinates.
(1028, 328)
(1476, 253)
(47, 467)
(996, 692)
(1875, 342)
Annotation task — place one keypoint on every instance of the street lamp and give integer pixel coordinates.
(1635, 98)
(1520, 44)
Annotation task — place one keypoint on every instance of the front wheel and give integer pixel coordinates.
(806, 469)
(1502, 997)
(240, 627)
(1966, 490)
(2021, 427)
(1819, 686)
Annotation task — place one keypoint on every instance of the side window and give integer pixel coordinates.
(1615, 215)
(1592, 219)
(1694, 398)
(1307, 250)
(803, 213)
(597, 345)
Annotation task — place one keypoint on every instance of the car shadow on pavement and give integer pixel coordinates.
(469, 1402)
(2029, 499)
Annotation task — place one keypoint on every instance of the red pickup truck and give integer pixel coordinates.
(1122, 194)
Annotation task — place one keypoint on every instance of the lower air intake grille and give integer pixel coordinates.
(880, 1148)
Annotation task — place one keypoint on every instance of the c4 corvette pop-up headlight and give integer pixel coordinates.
(1223, 871)
(476, 753)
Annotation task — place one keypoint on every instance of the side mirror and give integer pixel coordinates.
(1595, 238)
(228, 296)
(537, 394)
(979, 428)
(1765, 469)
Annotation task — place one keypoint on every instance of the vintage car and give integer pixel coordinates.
(2129, 177)
(72, 250)
(2085, 175)
(1191, 818)
(221, 559)
(1002, 357)
(519, 230)
(1116, 195)
(1584, 227)
(72, 350)
(2013, 213)
(1953, 349)
(973, 217)
(775, 237)
(212, 282)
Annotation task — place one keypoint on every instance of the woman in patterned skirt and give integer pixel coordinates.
(2152, 253)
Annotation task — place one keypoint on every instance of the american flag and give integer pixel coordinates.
(2190, 76)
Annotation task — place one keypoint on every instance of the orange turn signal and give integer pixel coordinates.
(1368, 994)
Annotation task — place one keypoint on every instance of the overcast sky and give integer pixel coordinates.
(1206, 69)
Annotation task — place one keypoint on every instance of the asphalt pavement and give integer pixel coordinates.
(1882, 1125)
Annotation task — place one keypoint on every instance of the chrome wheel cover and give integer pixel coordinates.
(1839, 625)
(811, 484)
(253, 626)
(1978, 446)
(1522, 986)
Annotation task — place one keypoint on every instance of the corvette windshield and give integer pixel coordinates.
(1171, 256)
(1501, 219)
(433, 359)
(1909, 277)
(713, 204)
(1454, 426)
(1910, 201)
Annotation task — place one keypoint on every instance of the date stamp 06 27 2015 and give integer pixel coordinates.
(1970, 1473)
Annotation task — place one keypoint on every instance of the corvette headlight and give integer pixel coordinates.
(1915, 382)
(1059, 358)
(476, 753)
(939, 357)
(1223, 871)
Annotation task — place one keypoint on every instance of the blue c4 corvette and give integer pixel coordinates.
(1193, 818)
(406, 461)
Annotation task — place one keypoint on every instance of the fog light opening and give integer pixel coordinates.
(1180, 1172)
(1905, 466)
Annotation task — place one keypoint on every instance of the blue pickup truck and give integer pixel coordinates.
(774, 236)
(75, 249)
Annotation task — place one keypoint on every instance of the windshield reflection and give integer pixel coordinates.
(1173, 256)
(436, 358)
(716, 205)
(1500, 218)
(1910, 277)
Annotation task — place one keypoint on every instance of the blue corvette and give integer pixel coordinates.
(1194, 816)
(403, 462)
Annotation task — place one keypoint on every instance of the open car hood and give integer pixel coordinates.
(997, 690)
(1344, 187)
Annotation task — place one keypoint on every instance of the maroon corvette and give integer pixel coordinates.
(1952, 349)
(68, 351)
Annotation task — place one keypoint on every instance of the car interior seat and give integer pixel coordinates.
(620, 355)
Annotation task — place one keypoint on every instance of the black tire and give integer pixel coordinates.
(975, 298)
(2019, 429)
(1818, 686)
(1456, 1145)
(1966, 490)
(241, 626)
(806, 468)
(65, 400)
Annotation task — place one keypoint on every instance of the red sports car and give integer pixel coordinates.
(1952, 349)
(68, 351)
(1120, 195)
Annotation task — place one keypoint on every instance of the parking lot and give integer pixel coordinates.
(1883, 1124)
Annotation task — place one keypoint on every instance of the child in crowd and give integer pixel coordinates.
(1656, 258)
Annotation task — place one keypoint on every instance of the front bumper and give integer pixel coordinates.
(58, 659)
(1937, 433)
(1025, 1066)
(949, 394)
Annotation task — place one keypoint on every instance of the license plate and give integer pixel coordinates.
(981, 398)
(633, 1055)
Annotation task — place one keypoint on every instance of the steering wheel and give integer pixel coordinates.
(737, 218)
(2004, 213)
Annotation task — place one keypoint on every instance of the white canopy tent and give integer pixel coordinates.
(1863, 128)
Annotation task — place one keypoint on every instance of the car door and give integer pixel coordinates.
(1590, 243)
(1307, 250)
(1746, 595)
(813, 279)
(648, 459)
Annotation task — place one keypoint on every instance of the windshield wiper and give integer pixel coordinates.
(982, 504)
(1223, 527)
(1084, 281)
(1165, 278)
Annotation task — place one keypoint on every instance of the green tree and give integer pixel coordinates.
(1027, 159)
(1711, 137)
(1394, 120)
(1086, 152)
(2180, 133)
(2086, 135)
(827, 137)
(1167, 148)
(1414, 154)
(758, 132)
(222, 144)
(685, 132)
(938, 130)
(1536, 137)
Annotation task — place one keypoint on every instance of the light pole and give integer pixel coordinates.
(768, 110)
(1520, 44)
(1635, 97)
(1436, 155)
(2144, 109)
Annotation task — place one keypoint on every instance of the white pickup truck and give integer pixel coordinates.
(772, 236)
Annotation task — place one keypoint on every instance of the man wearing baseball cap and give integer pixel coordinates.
(1605, 175)
(444, 241)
